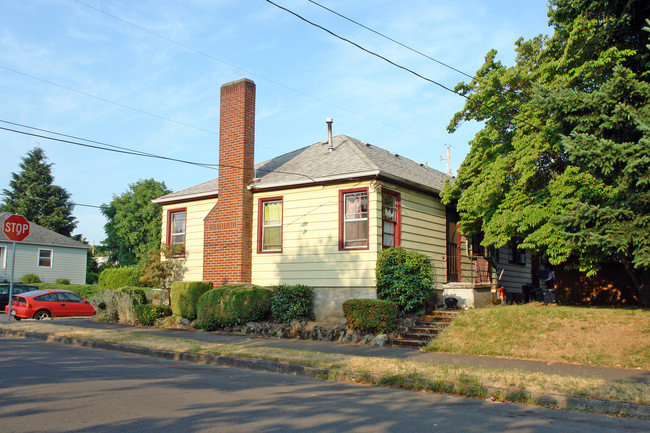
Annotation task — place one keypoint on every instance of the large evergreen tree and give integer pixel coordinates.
(563, 160)
(134, 222)
(32, 194)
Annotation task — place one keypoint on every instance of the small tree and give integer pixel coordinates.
(162, 267)
(404, 277)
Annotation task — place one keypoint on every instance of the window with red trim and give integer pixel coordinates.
(269, 228)
(390, 219)
(353, 219)
(176, 226)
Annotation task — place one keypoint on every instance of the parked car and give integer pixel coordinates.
(45, 304)
(18, 288)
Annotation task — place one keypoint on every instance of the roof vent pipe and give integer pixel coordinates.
(329, 122)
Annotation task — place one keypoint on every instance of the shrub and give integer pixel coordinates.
(114, 278)
(292, 303)
(185, 295)
(62, 281)
(148, 314)
(371, 315)
(30, 279)
(115, 306)
(404, 277)
(232, 304)
(138, 296)
(92, 277)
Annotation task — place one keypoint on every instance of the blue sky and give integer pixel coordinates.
(146, 75)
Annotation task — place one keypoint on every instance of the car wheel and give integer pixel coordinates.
(17, 318)
(42, 315)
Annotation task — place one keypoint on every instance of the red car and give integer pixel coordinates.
(45, 304)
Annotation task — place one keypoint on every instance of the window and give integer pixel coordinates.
(353, 219)
(44, 258)
(176, 226)
(390, 219)
(516, 255)
(477, 248)
(3, 257)
(269, 229)
(68, 297)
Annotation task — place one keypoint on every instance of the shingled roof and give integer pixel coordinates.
(348, 159)
(39, 235)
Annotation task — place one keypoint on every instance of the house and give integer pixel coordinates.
(45, 253)
(319, 215)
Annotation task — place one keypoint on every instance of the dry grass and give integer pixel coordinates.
(499, 378)
(615, 337)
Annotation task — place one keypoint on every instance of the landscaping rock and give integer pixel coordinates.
(379, 341)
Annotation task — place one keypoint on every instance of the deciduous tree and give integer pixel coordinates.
(133, 226)
(563, 160)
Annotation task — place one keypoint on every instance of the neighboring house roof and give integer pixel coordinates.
(39, 235)
(349, 159)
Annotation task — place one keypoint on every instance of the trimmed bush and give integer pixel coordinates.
(232, 304)
(114, 278)
(137, 294)
(62, 281)
(84, 290)
(148, 314)
(371, 315)
(185, 295)
(292, 303)
(30, 279)
(404, 277)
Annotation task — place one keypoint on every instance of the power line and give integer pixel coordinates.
(108, 101)
(277, 83)
(115, 149)
(404, 68)
(125, 150)
(390, 39)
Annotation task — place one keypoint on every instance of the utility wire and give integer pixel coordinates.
(115, 149)
(125, 150)
(404, 68)
(277, 83)
(391, 39)
(108, 100)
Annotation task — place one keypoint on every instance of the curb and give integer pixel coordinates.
(558, 401)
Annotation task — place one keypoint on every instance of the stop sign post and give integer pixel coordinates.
(16, 228)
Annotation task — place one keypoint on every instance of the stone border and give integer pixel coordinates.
(495, 394)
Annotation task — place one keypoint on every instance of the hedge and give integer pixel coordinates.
(371, 315)
(232, 304)
(292, 303)
(185, 295)
(114, 278)
(84, 290)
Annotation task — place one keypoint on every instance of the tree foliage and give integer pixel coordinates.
(33, 195)
(563, 160)
(134, 222)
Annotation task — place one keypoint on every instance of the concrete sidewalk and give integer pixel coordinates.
(571, 370)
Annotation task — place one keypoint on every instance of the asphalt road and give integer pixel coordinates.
(61, 388)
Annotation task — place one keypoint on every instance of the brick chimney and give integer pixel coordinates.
(228, 228)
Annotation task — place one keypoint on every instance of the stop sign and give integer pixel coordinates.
(16, 228)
